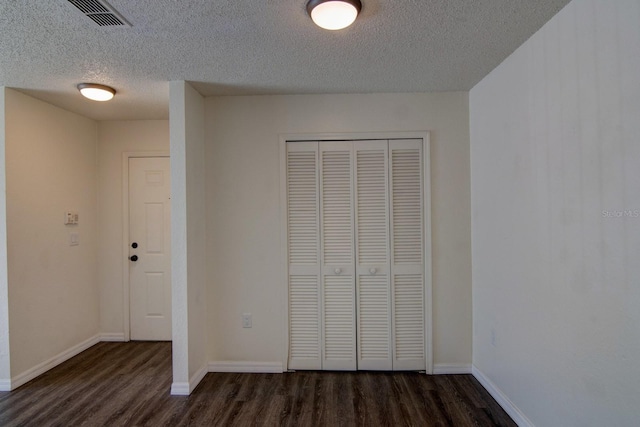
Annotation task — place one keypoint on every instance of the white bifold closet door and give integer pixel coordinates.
(338, 269)
(407, 254)
(356, 250)
(373, 286)
(304, 256)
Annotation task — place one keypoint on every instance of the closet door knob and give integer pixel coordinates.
(134, 258)
(372, 270)
(338, 270)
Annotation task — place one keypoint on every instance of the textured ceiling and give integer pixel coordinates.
(242, 47)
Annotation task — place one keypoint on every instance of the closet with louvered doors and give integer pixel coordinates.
(355, 253)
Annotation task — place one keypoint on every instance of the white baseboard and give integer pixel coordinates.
(451, 368)
(246, 367)
(180, 389)
(112, 337)
(43, 367)
(184, 388)
(502, 399)
(197, 377)
(5, 385)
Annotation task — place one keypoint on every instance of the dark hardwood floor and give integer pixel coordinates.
(127, 384)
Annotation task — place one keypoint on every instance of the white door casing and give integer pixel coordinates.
(150, 262)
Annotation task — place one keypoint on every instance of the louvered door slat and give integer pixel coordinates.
(372, 254)
(304, 315)
(302, 207)
(374, 326)
(304, 256)
(338, 317)
(336, 213)
(407, 204)
(409, 315)
(407, 254)
(336, 207)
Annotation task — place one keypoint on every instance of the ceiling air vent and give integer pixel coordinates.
(100, 12)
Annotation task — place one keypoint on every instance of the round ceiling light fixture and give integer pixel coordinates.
(96, 92)
(334, 14)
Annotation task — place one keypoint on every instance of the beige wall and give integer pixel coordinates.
(243, 211)
(114, 139)
(50, 168)
(555, 167)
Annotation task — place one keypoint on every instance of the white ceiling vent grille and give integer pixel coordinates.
(100, 12)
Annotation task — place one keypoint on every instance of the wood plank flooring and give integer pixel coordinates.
(128, 384)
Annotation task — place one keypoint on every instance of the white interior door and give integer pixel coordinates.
(372, 254)
(338, 268)
(407, 254)
(303, 242)
(150, 248)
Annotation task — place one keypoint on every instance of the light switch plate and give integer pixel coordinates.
(74, 239)
(246, 320)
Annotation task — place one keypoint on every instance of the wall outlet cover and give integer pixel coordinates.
(246, 320)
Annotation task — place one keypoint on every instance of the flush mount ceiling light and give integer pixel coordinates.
(96, 92)
(333, 14)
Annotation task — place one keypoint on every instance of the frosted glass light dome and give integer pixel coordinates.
(96, 92)
(334, 14)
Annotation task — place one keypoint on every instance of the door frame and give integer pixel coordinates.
(126, 305)
(284, 256)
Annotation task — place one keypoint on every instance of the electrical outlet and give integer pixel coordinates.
(246, 320)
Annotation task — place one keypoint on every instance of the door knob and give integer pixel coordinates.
(134, 258)
(372, 270)
(338, 270)
(134, 245)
